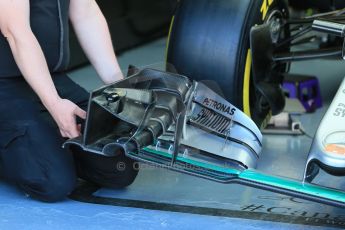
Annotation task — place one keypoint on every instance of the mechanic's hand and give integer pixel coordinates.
(64, 113)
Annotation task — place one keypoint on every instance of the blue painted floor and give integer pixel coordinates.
(157, 185)
(20, 212)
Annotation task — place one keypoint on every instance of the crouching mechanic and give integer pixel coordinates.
(39, 104)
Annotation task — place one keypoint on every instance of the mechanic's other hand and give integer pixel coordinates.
(64, 113)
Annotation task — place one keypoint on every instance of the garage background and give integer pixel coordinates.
(131, 23)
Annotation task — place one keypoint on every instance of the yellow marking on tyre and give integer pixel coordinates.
(168, 40)
(265, 7)
(246, 84)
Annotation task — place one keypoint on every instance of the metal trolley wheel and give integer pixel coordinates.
(209, 41)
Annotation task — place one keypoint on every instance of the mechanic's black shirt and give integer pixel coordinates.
(49, 23)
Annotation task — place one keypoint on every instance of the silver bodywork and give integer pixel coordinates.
(328, 148)
(168, 113)
(168, 121)
(216, 126)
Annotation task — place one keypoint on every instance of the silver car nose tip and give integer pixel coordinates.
(328, 148)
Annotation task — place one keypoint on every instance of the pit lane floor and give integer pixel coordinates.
(160, 199)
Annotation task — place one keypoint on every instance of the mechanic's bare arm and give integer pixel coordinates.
(15, 26)
(93, 34)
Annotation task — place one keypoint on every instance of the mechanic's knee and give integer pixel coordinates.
(49, 190)
(54, 175)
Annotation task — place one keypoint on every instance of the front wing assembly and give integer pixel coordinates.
(167, 120)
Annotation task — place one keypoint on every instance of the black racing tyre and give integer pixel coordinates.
(209, 41)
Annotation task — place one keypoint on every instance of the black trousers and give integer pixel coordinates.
(31, 155)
